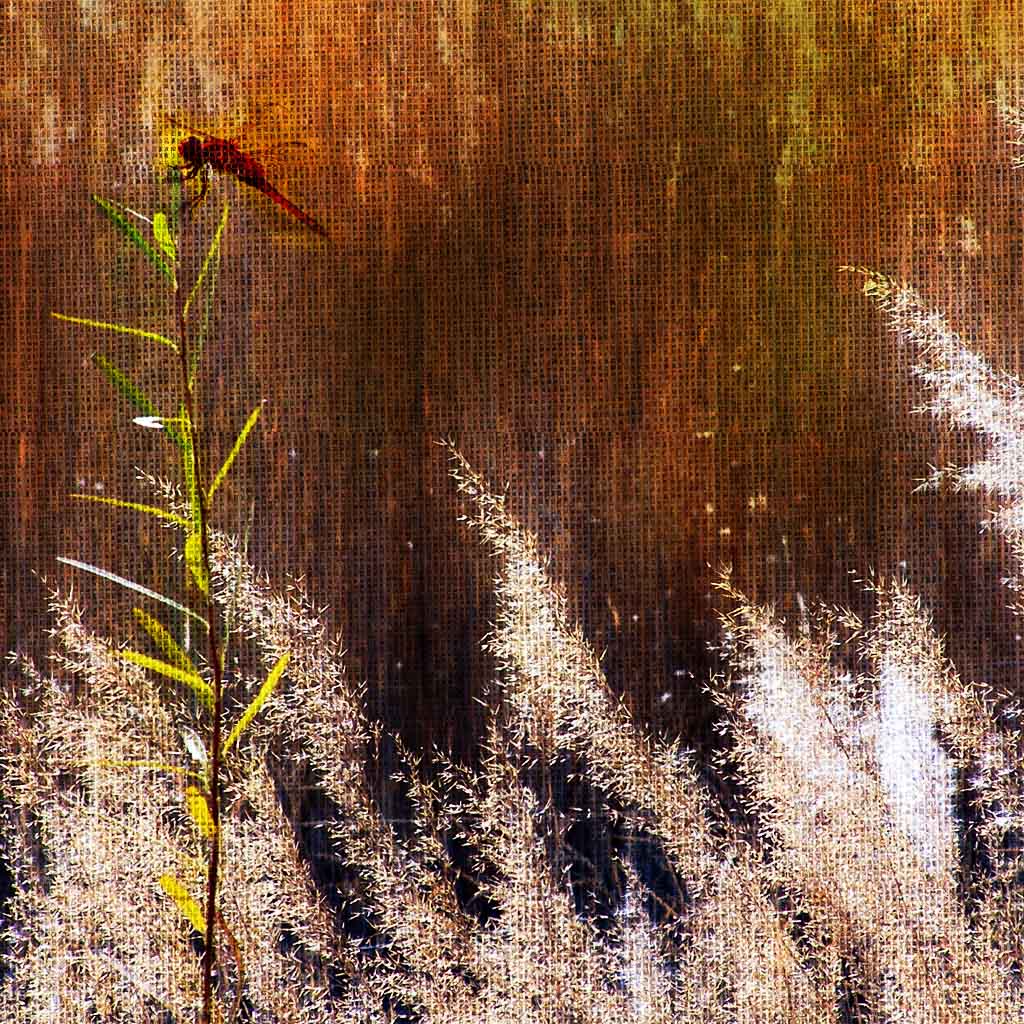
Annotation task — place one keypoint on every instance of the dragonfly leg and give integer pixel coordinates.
(204, 185)
(191, 170)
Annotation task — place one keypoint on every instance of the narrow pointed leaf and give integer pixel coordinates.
(162, 234)
(190, 910)
(212, 255)
(199, 686)
(199, 811)
(132, 585)
(208, 281)
(150, 510)
(168, 645)
(133, 393)
(196, 564)
(176, 196)
(123, 223)
(258, 701)
(188, 469)
(103, 325)
(246, 430)
(123, 383)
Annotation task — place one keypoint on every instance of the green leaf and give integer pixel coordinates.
(223, 471)
(196, 563)
(258, 701)
(134, 394)
(199, 811)
(176, 194)
(123, 383)
(119, 328)
(206, 285)
(212, 254)
(190, 910)
(162, 234)
(132, 585)
(188, 469)
(122, 221)
(151, 510)
(169, 647)
(199, 686)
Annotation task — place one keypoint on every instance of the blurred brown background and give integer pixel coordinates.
(595, 243)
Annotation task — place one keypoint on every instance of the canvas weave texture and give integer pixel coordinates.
(510, 512)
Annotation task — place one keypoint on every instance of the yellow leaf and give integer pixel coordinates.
(223, 471)
(196, 564)
(199, 809)
(150, 510)
(169, 647)
(211, 260)
(259, 700)
(162, 234)
(190, 910)
(196, 683)
(103, 325)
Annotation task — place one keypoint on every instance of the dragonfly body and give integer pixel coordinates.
(223, 155)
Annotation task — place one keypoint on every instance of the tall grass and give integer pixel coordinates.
(865, 766)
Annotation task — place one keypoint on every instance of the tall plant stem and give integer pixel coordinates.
(209, 959)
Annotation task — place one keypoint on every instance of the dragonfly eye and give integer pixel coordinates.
(191, 149)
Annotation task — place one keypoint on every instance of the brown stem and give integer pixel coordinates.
(213, 870)
(236, 952)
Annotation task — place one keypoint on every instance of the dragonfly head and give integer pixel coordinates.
(191, 150)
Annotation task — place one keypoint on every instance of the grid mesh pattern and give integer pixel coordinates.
(597, 246)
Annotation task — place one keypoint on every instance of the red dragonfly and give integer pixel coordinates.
(223, 155)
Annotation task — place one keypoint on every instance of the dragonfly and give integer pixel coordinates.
(210, 153)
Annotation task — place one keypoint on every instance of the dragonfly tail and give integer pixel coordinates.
(289, 207)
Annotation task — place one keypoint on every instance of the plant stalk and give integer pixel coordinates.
(209, 959)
